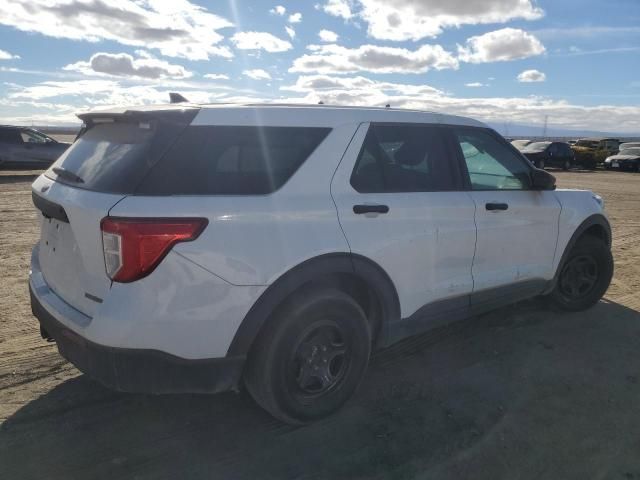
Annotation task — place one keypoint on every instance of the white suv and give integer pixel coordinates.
(198, 248)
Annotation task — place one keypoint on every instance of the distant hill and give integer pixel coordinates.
(514, 130)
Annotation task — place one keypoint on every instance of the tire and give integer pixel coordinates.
(584, 276)
(295, 370)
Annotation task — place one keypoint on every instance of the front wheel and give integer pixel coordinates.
(585, 275)
(311, 356)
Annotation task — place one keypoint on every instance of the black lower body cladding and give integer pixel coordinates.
(139, 371)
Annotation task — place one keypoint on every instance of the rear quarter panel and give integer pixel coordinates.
(253, 240)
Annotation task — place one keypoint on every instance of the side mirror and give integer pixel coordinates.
(542, 180)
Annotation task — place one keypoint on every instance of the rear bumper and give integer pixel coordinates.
(138, 370)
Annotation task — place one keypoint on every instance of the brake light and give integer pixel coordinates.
(133, 247)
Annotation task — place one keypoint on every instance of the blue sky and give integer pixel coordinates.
(503, 61)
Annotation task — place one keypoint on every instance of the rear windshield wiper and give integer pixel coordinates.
(61, 172)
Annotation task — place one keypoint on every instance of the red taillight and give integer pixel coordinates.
(133, 247)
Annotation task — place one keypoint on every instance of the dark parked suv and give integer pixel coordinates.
(23, 147)
(543, 154)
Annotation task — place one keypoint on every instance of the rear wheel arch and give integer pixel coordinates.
(355, 275)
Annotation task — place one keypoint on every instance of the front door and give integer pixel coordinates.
(517, 226)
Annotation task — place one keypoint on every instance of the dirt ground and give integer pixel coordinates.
(521, 393)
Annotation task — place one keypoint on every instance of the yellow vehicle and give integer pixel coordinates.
(589, 152)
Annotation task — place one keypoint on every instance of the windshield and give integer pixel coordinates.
(536, 146)
(587, 143)
(519, 144)
(630, 151)
(626, 146)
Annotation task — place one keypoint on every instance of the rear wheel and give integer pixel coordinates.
(311, 356)
(585, 275)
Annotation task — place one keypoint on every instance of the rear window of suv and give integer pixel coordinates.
(109, 157)
(115, 153)
(232, 160)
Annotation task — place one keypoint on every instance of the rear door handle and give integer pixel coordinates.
(360, 209)
(492, 206)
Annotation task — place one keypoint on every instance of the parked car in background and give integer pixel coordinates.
(195, 249)
(589, 152)
(545, 154)
(520, 144)
(626, 145)
(24, 147)
(627, 159)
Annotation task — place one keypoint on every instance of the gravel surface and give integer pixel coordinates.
(521, 393)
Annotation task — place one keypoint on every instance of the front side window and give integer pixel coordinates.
(401, 158)
(491, 164)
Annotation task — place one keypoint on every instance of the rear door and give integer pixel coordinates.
(517, 226)
(395, 191)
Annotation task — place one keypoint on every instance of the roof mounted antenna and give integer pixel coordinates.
(175, 97)
(387, 106)
(320, 102)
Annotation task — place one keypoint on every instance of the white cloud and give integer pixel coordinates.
(417, 19)
(532, 76)
(4, 55)
(103, 93)
(53, 102)
(585, 32)
(373, 58)
(177, 29)
(216, 76)
(531, 110)
(124, 65)
(291, 32)
(260, 41)
(278, 10)
(295, 17)
(499, 46)
(257, 74)
(338, 8)
(335, 86)
(475, 84)
(328, 36)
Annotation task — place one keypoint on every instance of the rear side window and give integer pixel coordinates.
(403, 158)
(232, 160)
